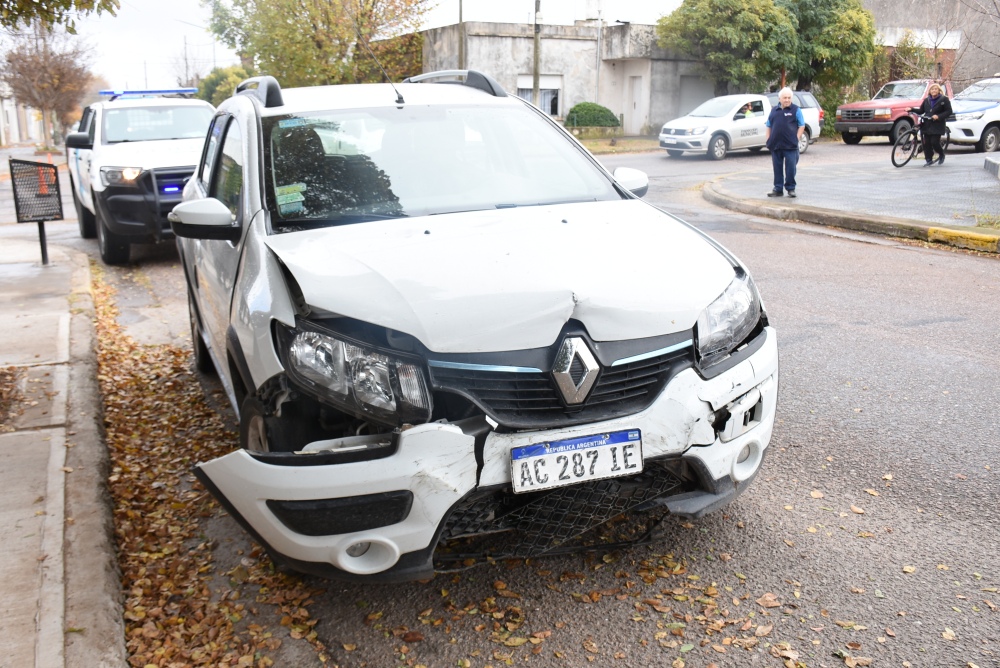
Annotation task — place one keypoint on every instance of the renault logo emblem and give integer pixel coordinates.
(575, 359)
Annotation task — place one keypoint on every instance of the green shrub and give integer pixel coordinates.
(590, 115)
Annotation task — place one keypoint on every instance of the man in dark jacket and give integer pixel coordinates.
(785, 126)
(937, 107)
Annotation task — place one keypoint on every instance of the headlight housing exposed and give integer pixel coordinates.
(729, 320)
(123, 177)
(362, 380)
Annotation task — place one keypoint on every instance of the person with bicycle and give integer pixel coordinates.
(934, 110)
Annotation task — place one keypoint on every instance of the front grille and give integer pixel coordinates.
(532, 400)
(674, 131)
(544, 522)
(857, 114)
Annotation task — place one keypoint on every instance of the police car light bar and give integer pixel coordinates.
(143, 93)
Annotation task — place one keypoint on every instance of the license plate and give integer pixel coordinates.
(669, 140)
(852, 129)
(574, 460)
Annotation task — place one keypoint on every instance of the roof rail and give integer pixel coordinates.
(265, 89)
(473, 78)
(115, 94)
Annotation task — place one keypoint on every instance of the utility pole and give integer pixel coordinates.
(535, 94)
(461, 39)
(597, 92)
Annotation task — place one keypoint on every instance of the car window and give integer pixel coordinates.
(342, 166)
(715, 108)
(84, 123)
(983, 90)
(211, 150)
(227, 185)
(155, 123)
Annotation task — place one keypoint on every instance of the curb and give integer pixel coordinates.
(883, 225)
(992, 165)
(94, 629)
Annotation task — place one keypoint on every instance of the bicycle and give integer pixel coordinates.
(911, 141)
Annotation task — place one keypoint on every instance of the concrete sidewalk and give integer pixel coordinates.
(941, 204)
(61, 602)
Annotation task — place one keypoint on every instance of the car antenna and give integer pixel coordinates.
(399, 96)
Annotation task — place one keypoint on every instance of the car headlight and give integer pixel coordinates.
(728, 320)
(358, 378)
(120, 176)
(883, 113)
(839, 113)
(697, 131)
(971, 116)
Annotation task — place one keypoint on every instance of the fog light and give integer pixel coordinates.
(744, 454)
(358, 549)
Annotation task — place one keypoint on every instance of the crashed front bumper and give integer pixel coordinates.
(382, 518)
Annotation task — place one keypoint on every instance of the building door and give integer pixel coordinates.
(634, 115)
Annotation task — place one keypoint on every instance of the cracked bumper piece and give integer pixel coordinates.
(336, 513)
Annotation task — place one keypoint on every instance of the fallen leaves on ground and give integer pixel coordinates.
(157, 426)
(10, 396)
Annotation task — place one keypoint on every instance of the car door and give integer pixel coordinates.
(80, 159)
(748, 129)
(216, 261)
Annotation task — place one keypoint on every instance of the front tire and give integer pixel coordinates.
(990, 140)
(113, 247)
(674, 153)
(804, 142)
(718, 147)
(899, 129)
(851, 137)
(905, 148)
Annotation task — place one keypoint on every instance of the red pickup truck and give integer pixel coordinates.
(885, 114)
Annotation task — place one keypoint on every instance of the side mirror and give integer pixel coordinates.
(206, 218)
(633, 180)
(78, 140)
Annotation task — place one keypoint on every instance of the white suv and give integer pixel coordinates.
(128, 164)
(977, 116)
(439, 318)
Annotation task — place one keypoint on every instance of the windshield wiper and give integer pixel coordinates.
(343, 219)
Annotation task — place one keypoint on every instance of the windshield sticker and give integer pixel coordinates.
(291, 197)
(291, 188)
(291, 122)
(291, 207)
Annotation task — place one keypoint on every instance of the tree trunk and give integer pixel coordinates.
(803, 84)
(47, 128)
(721, 88)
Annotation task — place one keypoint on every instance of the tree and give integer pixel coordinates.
(305, 42)
(744, 43)
(15, 14)
(835, 42)
(221, 83)
(910, 60)
(47, 69)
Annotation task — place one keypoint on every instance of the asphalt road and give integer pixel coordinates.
(871, 532)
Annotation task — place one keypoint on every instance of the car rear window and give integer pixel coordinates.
(348, 166)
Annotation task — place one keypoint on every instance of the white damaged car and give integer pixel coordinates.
(450, 334)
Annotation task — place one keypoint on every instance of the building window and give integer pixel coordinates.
(548, 99)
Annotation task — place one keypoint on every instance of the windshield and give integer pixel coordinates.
(154, 123)
(714, 108)
(903, 90)
(346, 166)
(981, 91)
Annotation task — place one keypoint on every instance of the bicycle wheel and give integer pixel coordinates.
(905, 148)
(945, 138)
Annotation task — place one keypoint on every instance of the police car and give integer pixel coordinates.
(977, 116)
(128, 163)
(439, 319)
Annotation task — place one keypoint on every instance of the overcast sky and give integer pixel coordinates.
(144, 46)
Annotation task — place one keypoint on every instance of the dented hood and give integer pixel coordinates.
(510, 279)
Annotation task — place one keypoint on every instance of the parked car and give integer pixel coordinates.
(812, 112)
(128, 163)
(977, 115)
(718, 126)
(886, 113)
(437, 317)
